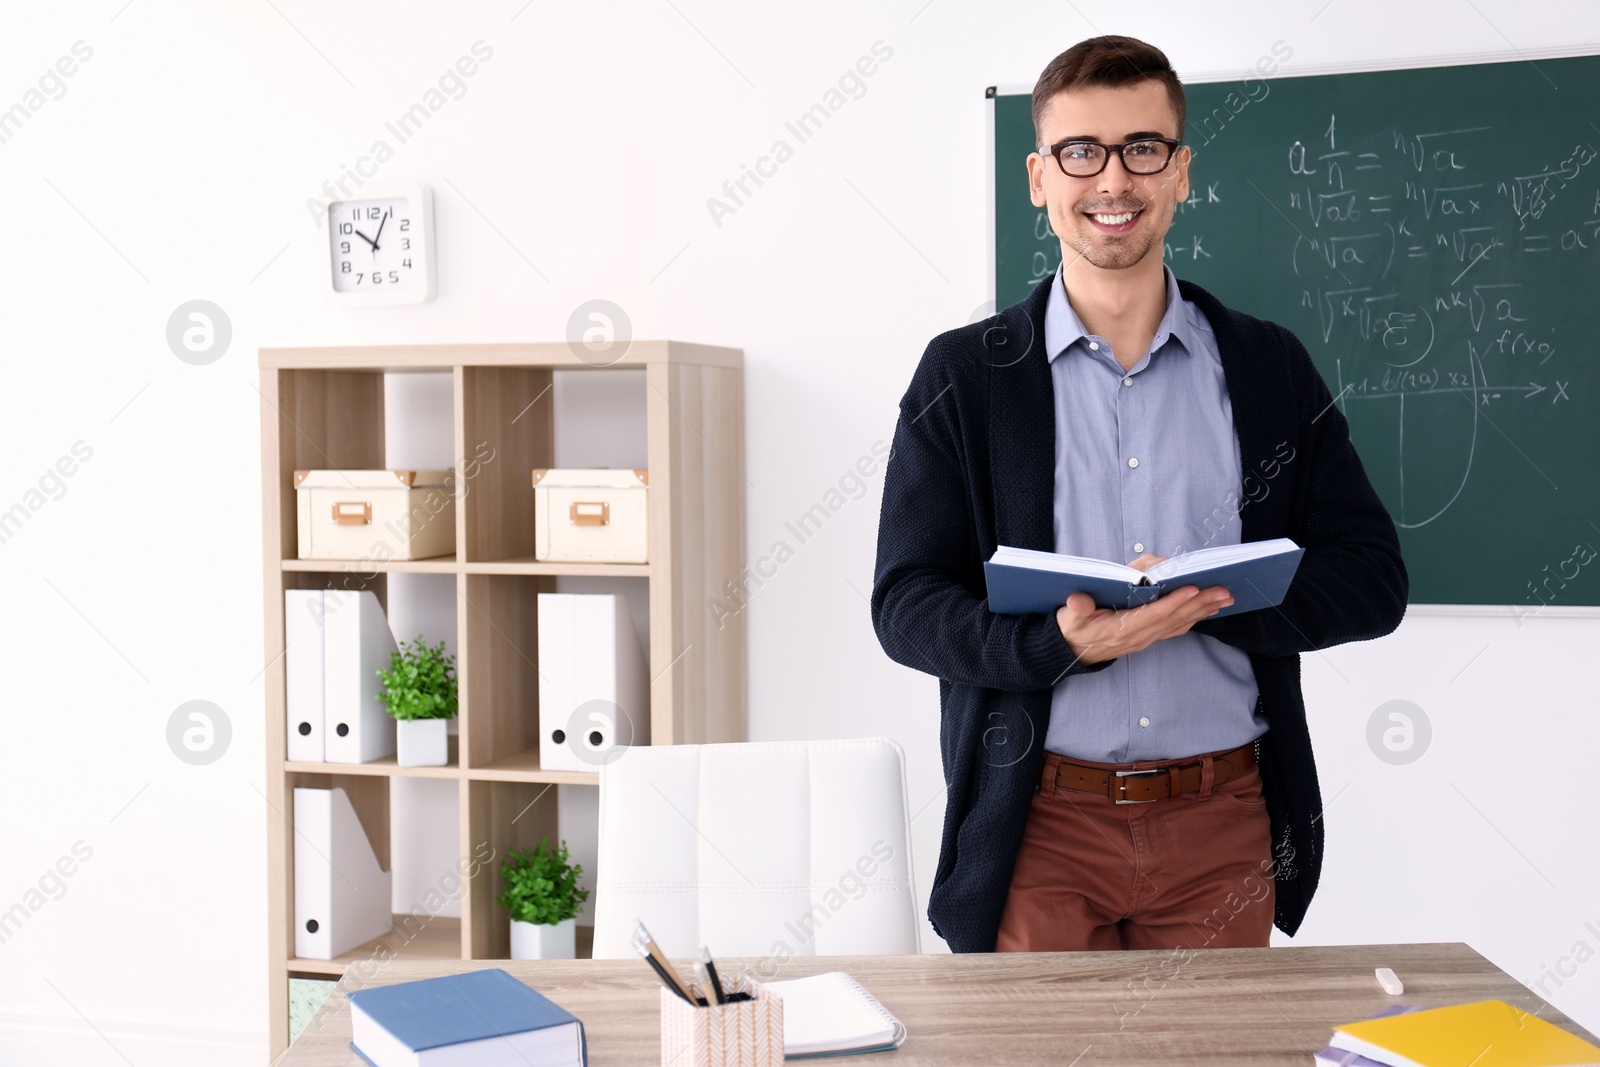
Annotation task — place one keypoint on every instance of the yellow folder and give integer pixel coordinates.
(1488, 1033)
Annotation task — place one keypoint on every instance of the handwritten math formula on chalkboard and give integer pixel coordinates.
(1432, 236)
(1457, 222)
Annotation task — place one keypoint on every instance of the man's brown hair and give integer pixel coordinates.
(1109, 61)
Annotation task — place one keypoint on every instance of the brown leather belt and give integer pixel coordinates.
(1154, 783)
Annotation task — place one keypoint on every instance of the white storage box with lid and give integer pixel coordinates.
(591, 515)
(376, 515)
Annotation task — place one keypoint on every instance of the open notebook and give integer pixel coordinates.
(831, 1015)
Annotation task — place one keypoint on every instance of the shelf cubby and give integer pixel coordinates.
(498, 671)
(502, 816)
(507, 420)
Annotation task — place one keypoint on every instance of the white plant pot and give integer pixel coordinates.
(423, 742)
(544, 941)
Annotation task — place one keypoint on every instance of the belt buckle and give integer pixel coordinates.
(1146, 773)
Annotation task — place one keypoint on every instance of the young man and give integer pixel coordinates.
(1140, 778)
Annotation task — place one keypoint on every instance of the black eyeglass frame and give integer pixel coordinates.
(1054, 150)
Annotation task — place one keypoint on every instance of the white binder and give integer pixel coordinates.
(356, 646)
(341, 895)
(589, 651)
(303, 665)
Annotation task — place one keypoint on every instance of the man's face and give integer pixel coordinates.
(1110, 116)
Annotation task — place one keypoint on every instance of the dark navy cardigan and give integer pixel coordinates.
(973, 466)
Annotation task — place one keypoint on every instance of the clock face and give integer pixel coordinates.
(376, 245)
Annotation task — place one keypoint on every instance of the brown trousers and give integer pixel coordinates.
(1192, 871)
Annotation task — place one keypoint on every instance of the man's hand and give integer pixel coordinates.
(1097, 634)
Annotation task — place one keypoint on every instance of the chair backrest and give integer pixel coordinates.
(786, 848)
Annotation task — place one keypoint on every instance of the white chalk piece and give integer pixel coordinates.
(1390, 981)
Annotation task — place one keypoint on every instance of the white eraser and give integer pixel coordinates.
(1390, 981)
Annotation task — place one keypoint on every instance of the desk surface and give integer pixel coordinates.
(1218, 1006)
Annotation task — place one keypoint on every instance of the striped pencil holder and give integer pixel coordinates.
(745, 1033)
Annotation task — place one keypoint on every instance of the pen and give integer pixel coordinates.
(667, 980)
(711, 975)
(646, 946)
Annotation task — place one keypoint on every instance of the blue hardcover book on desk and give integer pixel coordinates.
(486, 1018)
(1023, 581)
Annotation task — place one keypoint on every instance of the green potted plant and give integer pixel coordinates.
(420, 693)
(543, 898)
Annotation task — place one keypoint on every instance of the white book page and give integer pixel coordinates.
(554, 1046)
(1204, 558)
(1362, 1047)
(1056, 561)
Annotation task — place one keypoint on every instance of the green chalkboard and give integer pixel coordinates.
(1433, 237)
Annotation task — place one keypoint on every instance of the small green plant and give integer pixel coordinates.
(541, 886)
(420, 682)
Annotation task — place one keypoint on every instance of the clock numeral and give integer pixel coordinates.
(358, 278)
(405, 243)
(344, 246)
(406, 263)
(377, 277)
(344, 267)
(394, 276)
(405, 225)
(347, 227)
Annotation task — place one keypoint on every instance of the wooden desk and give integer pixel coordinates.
(1221, 1006)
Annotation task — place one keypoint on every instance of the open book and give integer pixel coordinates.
(1257, 573)
(831, 1015)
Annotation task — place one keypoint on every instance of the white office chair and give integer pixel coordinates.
(763, 849)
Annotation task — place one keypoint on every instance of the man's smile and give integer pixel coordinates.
(1114, 222)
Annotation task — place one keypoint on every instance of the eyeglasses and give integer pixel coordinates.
(1085, 159)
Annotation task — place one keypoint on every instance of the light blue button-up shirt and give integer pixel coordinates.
(1147, 460)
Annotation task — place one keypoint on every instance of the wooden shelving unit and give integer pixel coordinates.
(324, 408)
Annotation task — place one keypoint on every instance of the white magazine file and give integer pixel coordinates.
(341, 895)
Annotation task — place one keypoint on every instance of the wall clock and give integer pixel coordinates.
(381, 247)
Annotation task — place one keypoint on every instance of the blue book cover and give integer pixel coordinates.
(1257, 574)
(458, 1008)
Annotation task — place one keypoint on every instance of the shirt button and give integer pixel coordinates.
(1133, 461)
(1138, 546)
(1127, 381)
(1144, 721)
(1094, 346)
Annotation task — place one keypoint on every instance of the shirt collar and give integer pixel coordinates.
(1062, 326)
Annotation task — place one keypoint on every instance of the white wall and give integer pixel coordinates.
(177, 165)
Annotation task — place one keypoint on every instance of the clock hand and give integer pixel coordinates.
(369, 240)
(381, 223)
